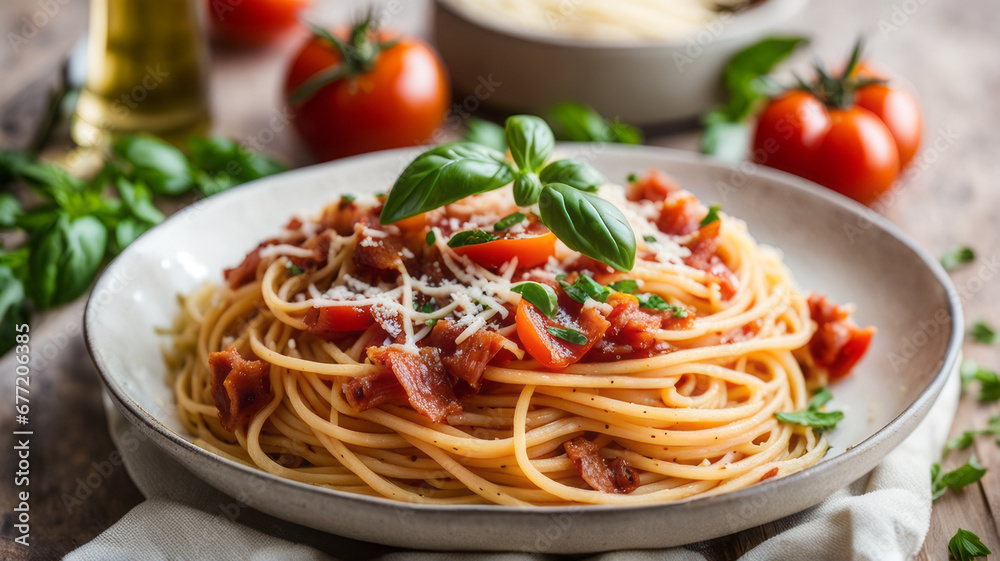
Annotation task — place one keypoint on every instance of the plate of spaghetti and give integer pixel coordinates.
(563, 348)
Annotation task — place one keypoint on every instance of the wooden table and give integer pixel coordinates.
(948, 51)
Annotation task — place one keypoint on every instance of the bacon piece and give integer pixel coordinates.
(371, 391)
(247, 270)
(377, 253)
(653, 186)
(703, 256)
(632, 330)
(614, 476)
(838, 343)
(423, 376)
(241, 387)
(343, 216)
(466, 360)
(320, 244)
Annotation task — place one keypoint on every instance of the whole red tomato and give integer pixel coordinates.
(253, 22)
(853, 134)
(367, 91)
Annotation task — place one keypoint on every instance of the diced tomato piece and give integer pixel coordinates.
(653, 186)
(530, 251)
(332, 321)
(681, 214)
(838, 343)
(703, 256)
(552, 351)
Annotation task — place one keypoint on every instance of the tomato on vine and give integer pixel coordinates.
(853, 133)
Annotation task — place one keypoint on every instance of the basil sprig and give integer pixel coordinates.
(811, 416)
(542, 296)
(562, 189)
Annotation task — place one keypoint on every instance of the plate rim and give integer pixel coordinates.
(873, 442)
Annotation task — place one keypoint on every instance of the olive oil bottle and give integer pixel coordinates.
(147, 66)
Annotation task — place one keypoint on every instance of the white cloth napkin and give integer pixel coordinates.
(882, 516)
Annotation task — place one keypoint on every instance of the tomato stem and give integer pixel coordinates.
(837, 92)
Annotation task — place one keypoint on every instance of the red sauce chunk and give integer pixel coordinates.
(607, 476)
(704, 247)
(653, 186)
(241, 387)
(838, 343)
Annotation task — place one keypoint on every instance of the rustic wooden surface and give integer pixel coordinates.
(948, 52)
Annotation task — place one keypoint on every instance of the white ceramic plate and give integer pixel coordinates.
(831, 244)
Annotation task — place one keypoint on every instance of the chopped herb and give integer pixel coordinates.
(561, 276)
(293, 268)
(431, 322)
(569, 335)
(426, 307)
(712, 216)
(649, 239)
(989, 382)
(470, 237)
(811, 416)
(956, 257)
(966, 546)
(585, 287)
(542, 296)
(984, 333)
(347, 198)
(955, 479)
(627, 286)
(961, 441)
(431, 237)
(656, 302)
(508, 221)
(633, 177)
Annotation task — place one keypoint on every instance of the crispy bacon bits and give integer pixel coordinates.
(607, 476)
(241, 387)
(423, 377)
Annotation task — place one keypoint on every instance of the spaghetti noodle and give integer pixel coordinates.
(379, 360)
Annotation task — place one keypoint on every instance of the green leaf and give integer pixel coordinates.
(156, 163)
(585, 287)
(961, 441)
(138, 200)
(10, 210)
(508, 221)
(541, 295)
(628, 286)
(712, 216)
(569, 335)
(982, 332)
(989, 382)
(65, 259)
(527, 187)
(470, 237)
(293, 269)
(649, 239)
(811, 416)
(656, 302)
(431, 237)
(966, 546)
(443, 175)
(574, 173)
(13, 307)
(588, 224)
(530, 141)
(956, 257)
(127, 231)
(955, 479)
(724, 139)
(486, 133)
(224, 164)
(581, 123)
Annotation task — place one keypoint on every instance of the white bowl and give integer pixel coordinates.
(641, 82)
(831, 244)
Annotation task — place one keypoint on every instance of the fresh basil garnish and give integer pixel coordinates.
(443, 175)
(530, 141)
(966, 474)
(574, 173)
(431, 237)
(540, 295)
(585, 287)
(470, 237)
(527, 188)
(64, 260)
(486, 133)
(588, 224)
(156, 163)
(656, 302)
(508, 221)
(811, 416)
(569, 335)
(628, 286)
(712, 216)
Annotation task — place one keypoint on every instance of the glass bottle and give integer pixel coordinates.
(147, 66)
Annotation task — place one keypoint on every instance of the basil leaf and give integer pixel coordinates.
(725, 139)
(13, 308)
(581, 123)
(431, 237)
(508, 221)
(811, 416)
(585, 287)
(470, 237)
(955, 479)
(65, 259)
(156, 163)
(49, 180)
(569, 335)
(225, 163)
(649, 239)
(139, 200)
(656, 302)
(541, 295)
(127, 231)
(530, 142)
(10, 210)
(966, 546)
(956, 257)
(293, 269)
(576, 174)
(820, 398)
(443, 175)
(961, 441)
(588, 224)
(989, 382)
(486, 133)
(627, 286)
(527, 187)
(712, 216)
(984, 333)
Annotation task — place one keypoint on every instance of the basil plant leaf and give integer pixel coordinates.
(13, 308)
(576, 174)
(588, 224)
(541, 295)
(443, 175)
(487, 134)
(65, 259)
(527, 188)
(530, 141)
(156, 163)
